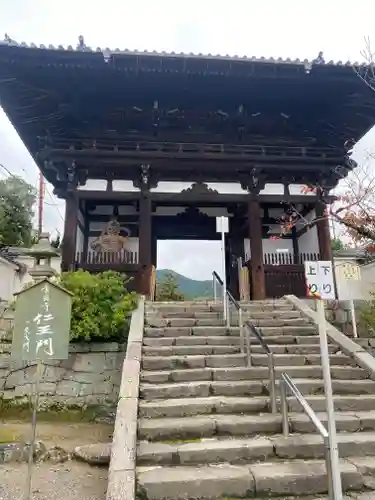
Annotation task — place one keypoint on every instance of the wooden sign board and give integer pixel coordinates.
(42, 323)
(350, 271)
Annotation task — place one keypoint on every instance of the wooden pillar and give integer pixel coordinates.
(70, 232)
(324, 236)
(258, 286)
(86, 235)
(236, 251)
(295, 245)
(154, 250)
(145, 243)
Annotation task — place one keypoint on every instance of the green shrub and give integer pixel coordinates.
(167, 289)
(101, 306)
(367, 316)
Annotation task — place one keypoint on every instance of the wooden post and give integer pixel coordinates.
(324, 236)
(295, 245)
(70, 232)
(258, 285)
(145, 243)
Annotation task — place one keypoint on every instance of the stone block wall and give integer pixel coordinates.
(338, 313)
(91, 376)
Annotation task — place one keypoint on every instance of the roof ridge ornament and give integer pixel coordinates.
(8, 41)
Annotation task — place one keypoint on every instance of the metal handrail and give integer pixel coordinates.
(245, 329)
(287, 383)
(271, 361)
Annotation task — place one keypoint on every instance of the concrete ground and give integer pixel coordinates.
(71, 480)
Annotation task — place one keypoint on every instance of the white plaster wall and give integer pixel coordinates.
(94, 185)
(228, 188)
(10, 282)
(79, 240)
(308, 241)
(356, 290)
(270, 246)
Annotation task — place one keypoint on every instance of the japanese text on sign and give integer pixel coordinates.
(319, 280)
(41, 324)
(350, 271)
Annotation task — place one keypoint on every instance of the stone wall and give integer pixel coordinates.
(91, 375)
(338, 313)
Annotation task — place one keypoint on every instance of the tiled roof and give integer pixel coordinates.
(107, 52)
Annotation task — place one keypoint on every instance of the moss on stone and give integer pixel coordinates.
(59, 413)
(8, 435)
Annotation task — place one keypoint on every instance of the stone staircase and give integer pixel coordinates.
(205, 429)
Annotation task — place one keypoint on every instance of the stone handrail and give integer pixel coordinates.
(121, 475)
(364, 359)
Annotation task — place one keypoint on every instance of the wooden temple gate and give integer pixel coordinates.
(260, 128)
(284, 273)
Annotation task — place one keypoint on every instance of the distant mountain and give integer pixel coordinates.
(191, 289)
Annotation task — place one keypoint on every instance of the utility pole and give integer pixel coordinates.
(40, 203)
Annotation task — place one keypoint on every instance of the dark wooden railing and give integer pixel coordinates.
(114, 258)
(287, 259)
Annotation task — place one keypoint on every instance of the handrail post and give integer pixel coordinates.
(248, 347)
(272, 381)
(227, 306)
(214, 286)
(240, 325)
(284, 408)
(327, 456)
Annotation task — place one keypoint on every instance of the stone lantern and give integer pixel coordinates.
(42, 252)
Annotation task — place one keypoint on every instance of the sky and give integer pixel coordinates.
(271, 28)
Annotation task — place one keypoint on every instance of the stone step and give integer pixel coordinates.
(237, 360)
(208, 331)
(252, 373)
(300, 360)
(294, 477)
(205, 388)
(173, 362)
(201, 389)
(228, 340)
(206, 426)
(161, 330)
(184, 407)
(252, 449)
(182, 350)
(189, 313)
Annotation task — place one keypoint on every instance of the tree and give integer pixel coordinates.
(337, 244)
(17, 199)
(353, 207)
(167, 289)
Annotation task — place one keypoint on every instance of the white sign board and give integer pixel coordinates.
(222, 224)
(319, 280)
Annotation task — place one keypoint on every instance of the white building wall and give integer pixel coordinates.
(270, 246)
(308, 241)
(10, 280)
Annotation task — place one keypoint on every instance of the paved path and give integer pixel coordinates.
(69, 481)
